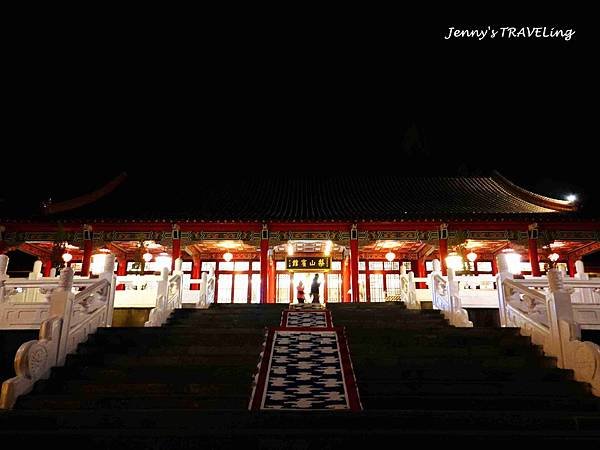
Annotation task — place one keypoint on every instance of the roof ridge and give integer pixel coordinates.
(532, 197)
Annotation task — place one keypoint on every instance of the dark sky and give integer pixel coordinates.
(321, 96)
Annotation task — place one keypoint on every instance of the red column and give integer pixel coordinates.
(421, 272)
(443, 244)
(272, 288)
(443, 253)
(354, 270)
(264, 270)
(532, 232)
(121, 271)
(346, 280)
(47, 267)
(176, 246)
(571, 264)
(494, 264)
(196, 271)
(87, 257)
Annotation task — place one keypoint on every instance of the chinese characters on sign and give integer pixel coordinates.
(304, 263)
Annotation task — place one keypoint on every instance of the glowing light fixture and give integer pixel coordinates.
(328, 246)
(147, 256)
(290, 249)
(554, 257)
(98, 261)
(472, 256)
(66, 257)
(164, 260)
(454, 261)
(227, 256)
(390, 256)
(571, 198)
(513, 261)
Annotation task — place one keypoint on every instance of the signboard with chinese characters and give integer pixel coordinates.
(306, 263)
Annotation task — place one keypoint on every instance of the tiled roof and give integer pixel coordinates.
(318, 199)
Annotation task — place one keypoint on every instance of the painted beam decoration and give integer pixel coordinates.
(308, 263)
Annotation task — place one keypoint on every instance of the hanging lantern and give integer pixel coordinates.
(554, 257)
(98, 262)
(228, 256)
(290, 250)
(147, 256)
(454, 261)
(66, 257)
(328, 246)
(390, 256)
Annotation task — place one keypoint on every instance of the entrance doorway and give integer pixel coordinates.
(307, 279)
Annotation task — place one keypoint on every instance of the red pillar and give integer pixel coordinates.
(196, 271)
(272, 281)
(264, 269)
(354, 270)
(121, 271)
(346, 280)
(571, 264)
(47, 267)
(87, 257)
(443, 253)
(176, 246)
(494, 264)
(421, 272)
(532, 232)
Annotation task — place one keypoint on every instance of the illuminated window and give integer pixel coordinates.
(429, 266)
(336, 265)
(484, 266)
(362, 265)
(240, 288)
(242, 266)
(186, 266)
(392, 282)
(375, 265)
(283, 287)
(394, 265)
(226, 265)
(280, 265)
(225, 281)
(256, 266)
(376, 287)
(255, 288)
(207, 265)
(362, 285)
(334, 287)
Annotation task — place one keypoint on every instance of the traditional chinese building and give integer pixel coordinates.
(262, 236)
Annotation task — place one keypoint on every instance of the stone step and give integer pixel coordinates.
(128, 401)
(115, 360)
(514, 388)
(142, 388)
(440, 362)
(482, 402)
(409, 350)
(192, 349)
(160, 373)
(280, 420)
(463, 373)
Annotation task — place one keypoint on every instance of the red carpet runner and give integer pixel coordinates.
(305, 365)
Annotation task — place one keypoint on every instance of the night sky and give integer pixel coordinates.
(312, 99)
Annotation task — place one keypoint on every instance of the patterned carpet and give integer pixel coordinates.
(305, 365)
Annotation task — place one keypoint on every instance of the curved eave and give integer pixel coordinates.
(532, 197)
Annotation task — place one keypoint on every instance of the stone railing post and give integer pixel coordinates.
(3, 275)
(108, 274)
(503, 274)
(61, 306)
(560, 310)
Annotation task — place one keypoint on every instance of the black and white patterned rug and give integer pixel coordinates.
(305, 367)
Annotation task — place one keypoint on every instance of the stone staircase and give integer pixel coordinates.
(187, 385)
